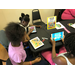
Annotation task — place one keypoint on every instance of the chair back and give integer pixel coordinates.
(35, 15)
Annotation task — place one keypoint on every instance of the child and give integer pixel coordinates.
(66, 58)
(25, 23)
(16, 35)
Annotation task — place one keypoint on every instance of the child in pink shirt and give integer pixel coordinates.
(16, 35)
(16, 55)
(68, 14)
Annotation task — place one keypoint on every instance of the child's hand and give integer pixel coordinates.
(31, 30)
(63, 38)
(38, 26)
(52, 41)
(38, 59)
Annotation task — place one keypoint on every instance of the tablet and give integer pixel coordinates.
(32, 27)
(57, 36)
(36, 42)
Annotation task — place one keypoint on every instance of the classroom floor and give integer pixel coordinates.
(3, 54)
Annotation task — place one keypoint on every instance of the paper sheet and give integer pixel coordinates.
(59, 25)
(73, 25)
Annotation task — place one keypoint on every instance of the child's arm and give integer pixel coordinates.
(58, 60)
(27, 38)
(30, 32)
(53, 49)
(63, 39)
(38, 26)
(30, 62)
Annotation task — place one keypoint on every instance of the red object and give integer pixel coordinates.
(43, 40)
(30, 63)
(68, 14)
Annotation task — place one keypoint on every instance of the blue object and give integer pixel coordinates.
(57, 36)
(27, 47)
(3, 39)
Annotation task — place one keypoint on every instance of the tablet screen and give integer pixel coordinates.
(36, 42)
(34, 29)
(57, 36)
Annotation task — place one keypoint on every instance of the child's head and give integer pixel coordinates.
(24, 19)
(69, 41)
(15, 33)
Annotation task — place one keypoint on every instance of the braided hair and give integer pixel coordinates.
(24, 17)
(69, 42)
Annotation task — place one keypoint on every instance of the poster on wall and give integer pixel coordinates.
(51, 22)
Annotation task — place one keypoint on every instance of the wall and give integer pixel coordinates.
(46, 13)
(8, 15)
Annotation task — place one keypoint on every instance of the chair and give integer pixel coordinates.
(2, 61)
(3, 54)
(36, 16)
(3, 47)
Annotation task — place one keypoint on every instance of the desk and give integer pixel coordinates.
(68, 27)
(43, 32)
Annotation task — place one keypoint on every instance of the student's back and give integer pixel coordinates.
(67, 59)
(68, 14)
(16, 54)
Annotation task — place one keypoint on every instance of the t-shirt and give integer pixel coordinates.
(25, 27)
(68, 14)
(16, 54)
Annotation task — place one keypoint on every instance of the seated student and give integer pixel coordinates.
(68, 14)
(66, 58)
(16, 35)
(25, 23)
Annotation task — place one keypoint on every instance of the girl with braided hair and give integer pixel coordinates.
(24, 22)
(66, 55)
